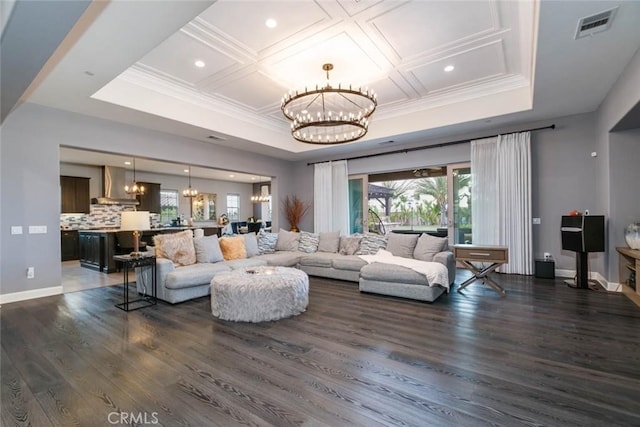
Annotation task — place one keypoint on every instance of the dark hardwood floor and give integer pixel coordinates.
(546, 354)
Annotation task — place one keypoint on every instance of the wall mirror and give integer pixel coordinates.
(204, 207)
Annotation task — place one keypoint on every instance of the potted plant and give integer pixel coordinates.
(294, 210)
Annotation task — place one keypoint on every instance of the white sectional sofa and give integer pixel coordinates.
(325, 255)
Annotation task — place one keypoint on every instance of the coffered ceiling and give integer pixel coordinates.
(514, 61)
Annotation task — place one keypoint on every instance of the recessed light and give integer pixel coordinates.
(449, 68)
(199, 63)
(186, 170)
(127, 163)
(253, 178)
(232, 176)
(271, 23)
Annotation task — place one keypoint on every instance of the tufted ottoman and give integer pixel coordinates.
(259, 294)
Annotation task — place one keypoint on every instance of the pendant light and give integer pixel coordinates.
(134, 188)
(259, 197)
(190, 192)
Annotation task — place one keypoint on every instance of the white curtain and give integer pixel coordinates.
(331, 197)
(501, 197)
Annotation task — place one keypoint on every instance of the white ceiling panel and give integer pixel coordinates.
(254, 90)
(354, 7)
(245, 21)
(389, 92)
(471, 67)
(424, 26)
(176, 57)
(352, 64)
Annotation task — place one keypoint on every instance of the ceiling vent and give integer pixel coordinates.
(597, 23)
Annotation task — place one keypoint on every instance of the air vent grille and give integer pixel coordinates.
(597, 23)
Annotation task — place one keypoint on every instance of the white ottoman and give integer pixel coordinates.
(259, 294)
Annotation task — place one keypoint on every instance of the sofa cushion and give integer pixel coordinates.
(267, 242)
(349, 245)
(428, 246)
(178, 247)
(208, 249)
(236, 264)
(329, 242)
(281, 258)
(348, 262)
(371, 244)
(233, 247)
(287, 240)
(402, 244)
(251, 244)
(193, 275)
(308, 242)
(392, 273)
(319, 259)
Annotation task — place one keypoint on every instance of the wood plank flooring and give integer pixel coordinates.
(546, 354)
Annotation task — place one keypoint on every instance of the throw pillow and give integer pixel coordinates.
(402, 244)
(349, 245)
(287, 240)
(251, 244)
(329, 242)
(308, 242)
(371, 243)
(233, 247)
(178, 247)
(428, 246)
(267, 242)
(208, 249)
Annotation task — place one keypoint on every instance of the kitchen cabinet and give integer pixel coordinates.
(97, 249)
(74, 194)
(150, 200)
(69, 245)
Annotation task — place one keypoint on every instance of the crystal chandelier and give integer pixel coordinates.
(329, 115)
(259, 197)
(189, 192)
(134, 188)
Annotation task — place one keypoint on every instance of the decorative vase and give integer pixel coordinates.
(632, 235)
(295, 228)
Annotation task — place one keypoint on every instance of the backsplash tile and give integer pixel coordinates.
(100, 216)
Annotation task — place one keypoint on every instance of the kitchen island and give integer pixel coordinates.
(98, 247)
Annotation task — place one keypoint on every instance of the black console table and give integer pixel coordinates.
(131, 262)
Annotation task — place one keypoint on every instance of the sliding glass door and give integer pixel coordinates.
(459, 209)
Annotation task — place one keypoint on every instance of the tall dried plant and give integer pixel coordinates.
(294, 209)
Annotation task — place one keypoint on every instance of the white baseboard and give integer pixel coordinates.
(25, 295)
(610, 286)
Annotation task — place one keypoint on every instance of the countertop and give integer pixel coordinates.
(114, 230)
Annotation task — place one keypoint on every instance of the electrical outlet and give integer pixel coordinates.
(37, 229)
(31, 273)
(16, 229)
(536, 221)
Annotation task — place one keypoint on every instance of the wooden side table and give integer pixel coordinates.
(130, 262)
(496, 255)
(629, 262)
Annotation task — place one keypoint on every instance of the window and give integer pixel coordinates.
(233, 206)
(168, 206)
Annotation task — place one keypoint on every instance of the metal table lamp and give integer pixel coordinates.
(135, 221)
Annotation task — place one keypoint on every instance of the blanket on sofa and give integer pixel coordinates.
(436, 273)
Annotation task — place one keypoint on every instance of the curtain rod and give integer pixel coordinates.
(426, 147)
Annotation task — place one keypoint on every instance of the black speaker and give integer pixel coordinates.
(583, 233)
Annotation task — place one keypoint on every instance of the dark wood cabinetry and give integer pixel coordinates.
(150, 200)
(97, 250)
(69, 245)
(74, 194)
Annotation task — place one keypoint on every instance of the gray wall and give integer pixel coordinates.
(31, 137)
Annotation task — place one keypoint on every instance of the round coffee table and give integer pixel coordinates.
(259, 294)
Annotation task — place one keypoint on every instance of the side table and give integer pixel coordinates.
(131, 262)
(496, 255)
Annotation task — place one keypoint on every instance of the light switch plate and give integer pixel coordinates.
(16, 229)
(37, 229)
(536, 221)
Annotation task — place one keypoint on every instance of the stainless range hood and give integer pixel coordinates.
(113, 181)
